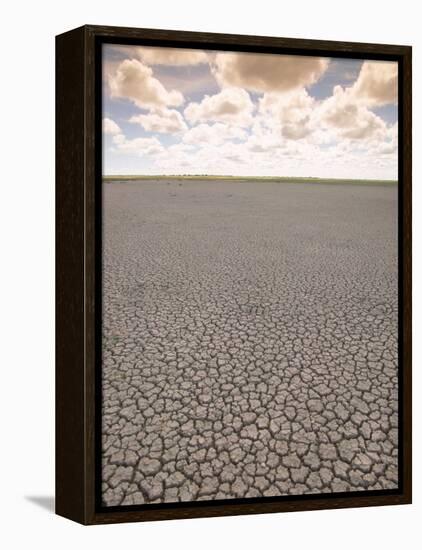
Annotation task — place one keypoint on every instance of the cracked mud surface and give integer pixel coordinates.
(249, 340)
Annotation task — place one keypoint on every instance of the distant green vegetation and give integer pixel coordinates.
(283, 179)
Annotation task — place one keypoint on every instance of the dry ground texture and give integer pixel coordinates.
(249, 339)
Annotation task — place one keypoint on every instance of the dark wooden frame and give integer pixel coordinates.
(78, 158)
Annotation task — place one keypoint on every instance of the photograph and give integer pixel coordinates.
(250, 296)
(210, 230)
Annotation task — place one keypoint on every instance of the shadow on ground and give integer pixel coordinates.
(46, 502)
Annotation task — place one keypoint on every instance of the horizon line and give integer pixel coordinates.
(227, 176)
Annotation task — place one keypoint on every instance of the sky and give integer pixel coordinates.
(181, 111)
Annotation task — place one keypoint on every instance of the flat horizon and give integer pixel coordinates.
(214, 176)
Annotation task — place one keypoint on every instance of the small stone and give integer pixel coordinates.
(128, 413)
(315, 405)
(250, 432)
(341, 469)
(291, 461)
(347, 448)
(199, 455)
(149, 466)
(131, 458)
(299, 475)
(189, 491)
(237, 455)
(326, 475)
(359, 405)
(273, 460)
(262, 422)
(282, 473)
(154, 489)
(290, 413)
(341, 411)
(205, 398)
(261, 483)
(239, 488)
(356, 478)
(122, 474)
(175, 479)
(248, 418)
(327, 451)
(312, 460)
(322, 389)
(281, 447)
(228, 474)
(314, 481)
(363, 462)
(378, 435)
(338, 486)
(365, 430)
(363, 385)
(274, 427)
(208, 486)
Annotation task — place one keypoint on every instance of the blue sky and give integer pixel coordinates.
(180, 111)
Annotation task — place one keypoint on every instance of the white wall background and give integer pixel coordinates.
(27, 271)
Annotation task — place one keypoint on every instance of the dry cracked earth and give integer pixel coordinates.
(249, 340)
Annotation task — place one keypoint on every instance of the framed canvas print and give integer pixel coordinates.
(233, 275)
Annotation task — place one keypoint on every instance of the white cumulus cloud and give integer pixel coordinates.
(139, 146)
(165, 121)
(231, 105)
(291, 111)
(349, 118)
(377, 83)
(267, 73)
(171, 56)
(135, 81)
(110, 127)
(214, 134)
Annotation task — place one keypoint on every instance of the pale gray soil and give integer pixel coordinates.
(250, 340)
